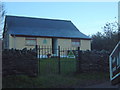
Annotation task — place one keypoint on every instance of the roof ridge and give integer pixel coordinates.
(38, 18)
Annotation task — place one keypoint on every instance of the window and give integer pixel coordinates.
(75, 42)
(30, 41)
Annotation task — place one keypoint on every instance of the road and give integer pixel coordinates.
(103, 85)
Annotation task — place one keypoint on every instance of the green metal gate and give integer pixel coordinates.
(64, 62)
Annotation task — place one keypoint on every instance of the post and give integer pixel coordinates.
(14, 42)
(36, 51)
(55, 46)
(39, 61)
(42, 51)
(36, 48)
(59, 71)
(78, 63)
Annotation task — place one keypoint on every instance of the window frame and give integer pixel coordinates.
(30, 38)
(74, 41)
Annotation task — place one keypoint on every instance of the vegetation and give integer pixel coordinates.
(48, 66)
(108, 40)
(54, 81)
(49, 77)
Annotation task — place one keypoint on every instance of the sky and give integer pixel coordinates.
(88, 17)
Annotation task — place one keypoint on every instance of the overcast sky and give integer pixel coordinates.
(88, 17)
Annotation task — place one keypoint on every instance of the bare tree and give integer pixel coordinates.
(2, 14)
(108, 39)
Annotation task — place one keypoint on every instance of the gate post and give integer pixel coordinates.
(39, 60)
(78, 63)
(36, 51)
(36, 48)
(59, 71)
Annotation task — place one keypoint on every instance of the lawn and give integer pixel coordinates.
(55, 80)
(51, 66)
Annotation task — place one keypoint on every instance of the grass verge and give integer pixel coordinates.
(54, 80)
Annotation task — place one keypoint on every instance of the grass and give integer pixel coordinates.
(54, 80)
(48, 66)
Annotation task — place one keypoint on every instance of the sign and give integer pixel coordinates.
(44, 41)
(71, 54)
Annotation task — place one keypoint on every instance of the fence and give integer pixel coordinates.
(49, 52)
(64, 61)
(71, 60)
(60, 60)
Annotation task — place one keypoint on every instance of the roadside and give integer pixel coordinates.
(103, 85)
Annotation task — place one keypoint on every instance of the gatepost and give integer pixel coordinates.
(59, 71)
(78, 66)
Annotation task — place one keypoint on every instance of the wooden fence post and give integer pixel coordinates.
(59, 71)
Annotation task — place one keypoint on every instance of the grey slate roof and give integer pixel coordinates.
(42, 27)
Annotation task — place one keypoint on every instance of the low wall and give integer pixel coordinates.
(15, 62)
(19, 62)
(94, 61)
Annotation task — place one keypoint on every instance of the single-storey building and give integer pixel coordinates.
(26, 32)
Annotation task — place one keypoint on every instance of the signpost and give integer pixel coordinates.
(114, 60)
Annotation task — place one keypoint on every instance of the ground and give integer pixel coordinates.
(49, 77)
(83, 80)
(105, 84)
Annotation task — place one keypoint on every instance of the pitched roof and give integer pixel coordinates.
(42, 27)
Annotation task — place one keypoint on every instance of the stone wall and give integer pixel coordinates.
(94, 61)
(19, 62)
